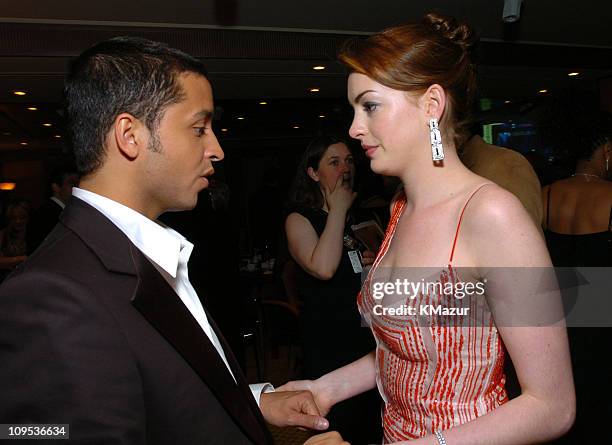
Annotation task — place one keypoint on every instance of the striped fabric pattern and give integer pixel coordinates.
(433, 372)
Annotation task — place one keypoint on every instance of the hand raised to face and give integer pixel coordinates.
(340, 197)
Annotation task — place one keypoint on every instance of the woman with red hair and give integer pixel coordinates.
(439, 358)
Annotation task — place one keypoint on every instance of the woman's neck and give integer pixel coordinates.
(588, 169)
(425, 187)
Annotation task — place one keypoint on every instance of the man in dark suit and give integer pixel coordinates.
(47, 215)
(101, 329)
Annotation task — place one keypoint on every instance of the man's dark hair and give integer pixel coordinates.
(120, 75)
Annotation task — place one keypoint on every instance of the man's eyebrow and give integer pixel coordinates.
(204, 114)
(358, 97)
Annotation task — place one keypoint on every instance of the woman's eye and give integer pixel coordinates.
(369, 107)
(349, 161)
(334, 163)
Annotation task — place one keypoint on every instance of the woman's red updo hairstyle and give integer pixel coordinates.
(412, 57)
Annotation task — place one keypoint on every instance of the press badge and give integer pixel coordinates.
(355, 257)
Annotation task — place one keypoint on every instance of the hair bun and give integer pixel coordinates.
(457, 32)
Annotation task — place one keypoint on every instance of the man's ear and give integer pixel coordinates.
(313, 174)
(433, 101)
(130, 134)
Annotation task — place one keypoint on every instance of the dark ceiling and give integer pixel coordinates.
(264, 50)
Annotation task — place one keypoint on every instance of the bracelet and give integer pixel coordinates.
(440, 437)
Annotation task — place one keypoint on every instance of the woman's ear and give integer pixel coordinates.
(434, 101)
(129, 135)
(313, 174)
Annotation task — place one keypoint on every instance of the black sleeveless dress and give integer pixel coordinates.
(588, 250)
(333, 336)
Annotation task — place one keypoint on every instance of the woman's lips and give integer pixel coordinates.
(370, 149)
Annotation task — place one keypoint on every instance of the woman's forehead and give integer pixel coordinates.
(338, 149)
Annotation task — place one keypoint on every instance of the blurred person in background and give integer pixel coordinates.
(13, 247)
(578, 209)
(47, 215)
(578, 229)
(321, 241)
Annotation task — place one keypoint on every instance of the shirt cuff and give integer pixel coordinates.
(258, 388)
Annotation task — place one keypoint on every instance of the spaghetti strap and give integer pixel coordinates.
(461, 217)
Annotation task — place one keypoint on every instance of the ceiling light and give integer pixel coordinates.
(322, 116)
(32, 109)
(23, 143)
(543, 91)
(314, 90)
(224, 130)
(507, 102)
(573, 74)
(19, 93)
(7, 186)
(46, 124)
(263, 102)
(57, 136)
(240, 118)
(318, 67)
(296, 127)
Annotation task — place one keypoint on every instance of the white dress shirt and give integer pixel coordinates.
(169, 252)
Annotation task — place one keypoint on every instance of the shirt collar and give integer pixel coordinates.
(161, 244)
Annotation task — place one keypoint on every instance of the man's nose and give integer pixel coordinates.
(213, 150)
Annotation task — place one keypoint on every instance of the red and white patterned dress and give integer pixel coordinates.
(433, 373)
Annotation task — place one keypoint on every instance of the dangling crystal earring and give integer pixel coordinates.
(437, 151)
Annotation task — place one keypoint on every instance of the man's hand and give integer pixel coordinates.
(323, 403)
(331, 438)
(292, 408)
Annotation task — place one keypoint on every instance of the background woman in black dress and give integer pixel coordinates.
(321, 242)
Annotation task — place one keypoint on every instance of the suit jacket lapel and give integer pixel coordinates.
(160, 305)
(162, 308)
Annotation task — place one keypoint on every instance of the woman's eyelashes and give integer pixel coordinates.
(370, 107)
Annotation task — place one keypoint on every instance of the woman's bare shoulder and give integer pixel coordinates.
(493, 206)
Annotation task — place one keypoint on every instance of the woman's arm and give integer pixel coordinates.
(320, 257)
(339, 385)
(497, 232)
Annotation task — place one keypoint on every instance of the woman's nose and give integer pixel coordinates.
(356, 129)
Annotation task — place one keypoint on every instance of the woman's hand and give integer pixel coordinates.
(341, 197)
(368, 257)
(331, 438)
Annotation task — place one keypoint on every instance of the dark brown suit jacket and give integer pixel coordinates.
(93, 336)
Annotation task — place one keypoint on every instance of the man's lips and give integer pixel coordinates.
(205, 176)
